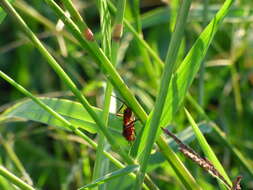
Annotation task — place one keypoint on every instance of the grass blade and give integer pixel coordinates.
(222, 136)
(65, 122)
(165, 81)
(101, 165)
(112, 175)
(105, 64)
(139, 38)
(70, 110)
(188, 69)
(8, 7)
(207, 149)
(14, 179)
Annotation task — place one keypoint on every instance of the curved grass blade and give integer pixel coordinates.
(14, 179)
(148, 181)
(183, 77)
(186, 136)
(101, 165)
(152, 129)
(222, 136)
(67, 80)
(208, 150)
(188, 69)
(112, 175)
(71, 110)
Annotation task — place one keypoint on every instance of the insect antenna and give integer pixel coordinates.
(124, 103)
(119, 99)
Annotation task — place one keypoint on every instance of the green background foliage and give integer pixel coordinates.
(48, 151)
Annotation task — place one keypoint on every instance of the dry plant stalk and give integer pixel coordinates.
(203, 162)
(236, 184)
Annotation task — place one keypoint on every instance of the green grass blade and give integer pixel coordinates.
(8, 7)
(186, 72)
(64, 121)
(112, 175)
(139, 38)
(70, 110)
(222, 136)
(36, 100)
(187, 136)
(146, 61)
(165, 81)
(14, 179)
(201, 85)
(106, 66)
(101, 165)
(7, 145)
(75, 14)
(207, 149)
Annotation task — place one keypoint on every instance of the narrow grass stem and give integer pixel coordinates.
(166, 77)
(34, 14)
(65, 122)
(101, 166)
(8, 7)
(13, 156)
(14, 179)
(202, 67)
(146, 61)
(209, 152)
(103, 61)
(75, 14)
(129, 97)
(222, 136)
(139, 38)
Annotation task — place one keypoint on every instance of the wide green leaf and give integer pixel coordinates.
(70, 110)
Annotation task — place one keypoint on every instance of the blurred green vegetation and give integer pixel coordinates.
(57, 159)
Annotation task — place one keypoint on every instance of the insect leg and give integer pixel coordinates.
(129, 124)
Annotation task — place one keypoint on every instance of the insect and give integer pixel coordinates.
(128, 123)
